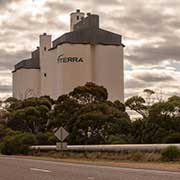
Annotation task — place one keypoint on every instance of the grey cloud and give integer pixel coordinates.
(145, 23)
(131, 83)
(26, 23)
(133, 92)
(148, 54)
(8, 60)
(5, 89)
(153, 77)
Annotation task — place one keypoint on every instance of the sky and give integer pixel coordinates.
(150, 31)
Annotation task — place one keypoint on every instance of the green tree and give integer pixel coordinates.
(18, 144)
(89, 93)
(137, 104)
(97, 122)
(172, 138)
(88, 116)
(30, 115)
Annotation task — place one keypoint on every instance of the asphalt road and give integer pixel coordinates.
(12, 168)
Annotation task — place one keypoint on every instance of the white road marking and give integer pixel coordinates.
(41, 170)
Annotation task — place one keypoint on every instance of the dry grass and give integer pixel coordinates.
(118, 156)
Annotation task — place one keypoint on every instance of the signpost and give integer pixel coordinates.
(61, 134)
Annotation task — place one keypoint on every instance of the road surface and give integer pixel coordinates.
(13, 168)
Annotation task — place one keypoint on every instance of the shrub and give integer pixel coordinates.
(171, 153)
(18, 144)
(46, 138)
(4, 131)
(173, 138)
(117, 139)
(136, 156)
(42, 138)
(52, 139)
(28, 139)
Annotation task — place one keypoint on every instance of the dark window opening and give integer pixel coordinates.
(45, 48)
(45, 74)
(77, 17)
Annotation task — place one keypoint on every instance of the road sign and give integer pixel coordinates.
(61, 134)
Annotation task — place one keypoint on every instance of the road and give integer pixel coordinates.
(13, 168)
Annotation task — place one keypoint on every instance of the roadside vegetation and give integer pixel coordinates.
(168, 154)
(89, 117)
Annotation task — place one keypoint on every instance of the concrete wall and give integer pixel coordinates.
(26, 83)
(75, 73)
(109, 70)
(48, 74)
(101, 64)
(64, 77)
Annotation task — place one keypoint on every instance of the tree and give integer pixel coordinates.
(172, 138)
(30, 115)
(88, 116)
(24, 120)
(137, 104)
(89, 93)
(95, 123)
(166, 114)
(149, 94)
(159, 121)
(18, 144)
(137, 132)
(64, 113)
(11, 100)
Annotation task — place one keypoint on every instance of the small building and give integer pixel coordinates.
(85, 54)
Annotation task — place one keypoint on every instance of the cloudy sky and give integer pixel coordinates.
(150, 30)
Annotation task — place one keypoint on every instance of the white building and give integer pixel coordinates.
(85, 54)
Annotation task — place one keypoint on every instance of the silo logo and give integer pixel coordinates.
(62, 59)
